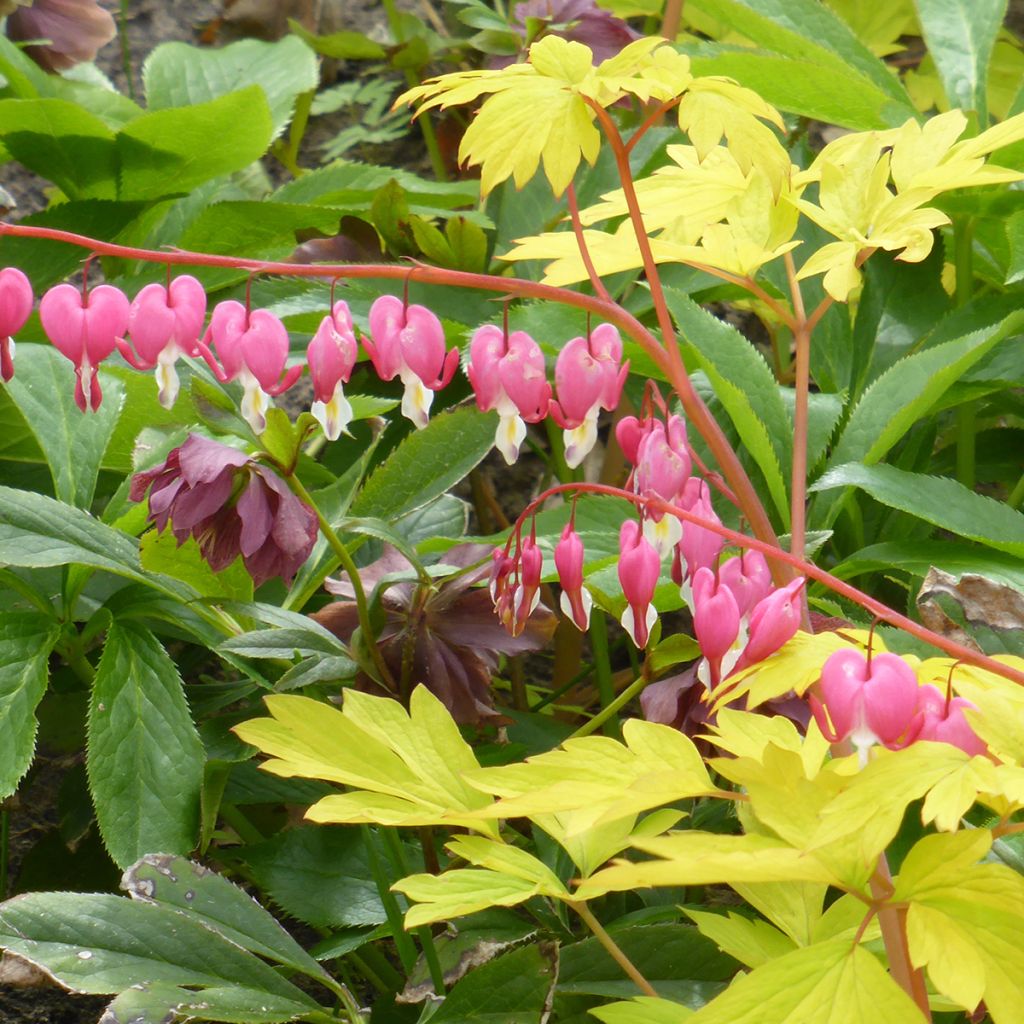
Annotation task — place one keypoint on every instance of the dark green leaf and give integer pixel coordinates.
(43, 390)
(145, 760)
(917, 557)
(943, 503)
(159, 1003)
(176, 75)
(285, 642)
(101, 943)
(181, 884)
(26, 639)
(340, 45)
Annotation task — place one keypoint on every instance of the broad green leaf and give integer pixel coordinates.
(965, 920)
(319, 874)
(157, 1003)
(827, 90)
(642, 1010)
(426, 464)
(745, 386)
(26, 639)
(43, 391)
(181, 884)
(807, 30)
(63, 143)
(160, 552)
(907, 391)
(101, 943)
(675, 958)
(1015, 236)
(513, 989)
(828, 983)
(704, 858)
(599, 778)
(145, 758)
(937, 500)
(166, 152)
(960, 36)
(37, 531)
(340, 45)
(750, 940)
(405, 767)
(177, 75)
(284, 642)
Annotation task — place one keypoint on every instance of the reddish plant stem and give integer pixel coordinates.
(802, 567)
(577, 228)
(651, 120)
(697, 412)
(666, 357)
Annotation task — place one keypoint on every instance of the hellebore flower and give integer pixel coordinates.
(252, 348)
(441, 633)
(871, 702)
(508, 376)
(84, 327)
(716, 622)
(639, 569)
(165, 323)
(408, 341)
(588, 378)
(575, 601)
(232, 505)
(75, 29)
(942, 720)
(15, 306)
(331, 355)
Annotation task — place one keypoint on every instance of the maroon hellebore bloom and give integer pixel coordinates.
(232, 505)
(75, 31)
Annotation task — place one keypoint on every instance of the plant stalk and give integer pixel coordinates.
(614, 950)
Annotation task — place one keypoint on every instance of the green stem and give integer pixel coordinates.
(403, 941)
(614, 950)
(345, 559)
(611, 710)
(966, 430)
(1017, 494)
(412, 80)
(603, 673)
(246, 830)
(345, 997)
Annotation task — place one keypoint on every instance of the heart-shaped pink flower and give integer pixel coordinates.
(15, 306)
(84, 327)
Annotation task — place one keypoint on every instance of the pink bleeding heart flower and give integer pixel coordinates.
(163, 324)
(408, 341)
(942, 720)
(716, 623)
(526, 595)
(508, 376)
(15, 306)
(699, 545)
(252, 348)
(639, 569)
(331, 356)
(84, 327)
(630, 432)
(773, 622)
(868, 701)
(588, 378)
(747, 575)
(575, 601)
(662, 469)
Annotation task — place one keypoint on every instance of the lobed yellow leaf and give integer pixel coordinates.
(642, 1010)
(794, 907)
(751, 941)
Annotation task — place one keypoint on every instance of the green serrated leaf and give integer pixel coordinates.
(145, 759)
(26, 639)
(160, 552)
(937, 500)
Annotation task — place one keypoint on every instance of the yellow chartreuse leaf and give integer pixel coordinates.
(879, 26)
(504, 876)
(743, 734)
(406, 767)
(751, 941)
(965, 921)
(642, 1010)
(539, 111)
(845, 917)
(795, 666)
(715, 107)
(708, 858)
(833, 982)
(598, 778)
(794, 907)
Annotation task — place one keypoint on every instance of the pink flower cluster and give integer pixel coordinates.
(877, 700)
(739, 617)
(251, 347)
